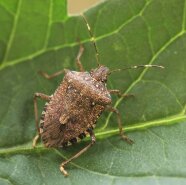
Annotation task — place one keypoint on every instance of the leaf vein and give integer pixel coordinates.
(7, 10)
(49, 24)
(13, 31)
(7, 179)
(149, 36)
(31, 56)
(162, 141)
(143, 72)
(26, 148)
(184, 16)
(171, 92)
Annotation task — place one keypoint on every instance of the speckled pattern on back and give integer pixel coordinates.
(74, 108)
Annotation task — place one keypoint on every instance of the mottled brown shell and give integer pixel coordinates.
(73, 109)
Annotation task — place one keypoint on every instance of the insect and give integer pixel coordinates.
(70, 114)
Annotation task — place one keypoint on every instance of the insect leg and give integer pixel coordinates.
(93, 140)
(47, 76)
(43, 97)
(121, 132)
(119, 94)
(78, 62)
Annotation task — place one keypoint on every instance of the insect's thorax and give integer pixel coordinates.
(88, 87)
(75, 106)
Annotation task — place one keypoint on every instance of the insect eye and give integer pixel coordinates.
(92, 104)
(104, 80)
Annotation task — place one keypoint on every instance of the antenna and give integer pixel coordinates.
(136, 67)
(92, 39)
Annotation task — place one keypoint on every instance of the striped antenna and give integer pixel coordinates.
(92, 39)
(136, 67)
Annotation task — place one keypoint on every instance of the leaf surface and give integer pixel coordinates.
(40, 36)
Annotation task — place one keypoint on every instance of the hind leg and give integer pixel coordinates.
(43, 97)
(63, 164)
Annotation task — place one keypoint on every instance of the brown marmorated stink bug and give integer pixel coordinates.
(72, 111)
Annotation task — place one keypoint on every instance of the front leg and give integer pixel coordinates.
(78, 63)
(121, 132)
(49, 77)
(119, 94)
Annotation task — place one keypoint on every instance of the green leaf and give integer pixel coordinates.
(39, 35)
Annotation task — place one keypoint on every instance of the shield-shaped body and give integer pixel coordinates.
(73, 109)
